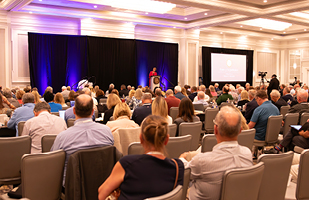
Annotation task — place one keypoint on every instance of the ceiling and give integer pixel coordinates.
(222, 16)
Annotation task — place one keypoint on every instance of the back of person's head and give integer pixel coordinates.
(169, 92)
(36, 96)
(275, 93)
(193, 89)
(232, 88)
(208, 92)
(49, 89)
(63, 88)
(202, 88)
(28, 98)
(244, 95)
(184, 91)
(186, 110)
(252, 93)
(87, 91)
(132, 93)
(225, 89)
(112, 100)
(59, 98)
(19, 94)
(111, 86)
(41, 106)
(121, 109)
(158, 92)
(69, 88)
(48, 96)
(177, 88)
(154, 131)
(287, 89)
(261, 94)
(138, 94)
(228, 121)
(123, 87)
(71, 95)
(201, 95)
(83, 106)
(99, 93)
(302, 95)
(159, 107)
(147, 96)
(212, 88)
(115, 91)
(7, 93)
(27, 90)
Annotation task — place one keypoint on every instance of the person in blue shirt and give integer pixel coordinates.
(260, 115)
(49, 98)
(22, 113)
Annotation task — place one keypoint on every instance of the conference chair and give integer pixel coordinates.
(102, 101)
(172, 129)
(70, 122)
(210, 115)
(65, 107)
(186, 181)
(11, 150)
(174, 148)
(290, 119)
(47, 142)
(175, 194)
(208, 142)
(174, 112)
(303, 119)
(20, 126)
(42, 175)
(302, 192)
(193, 129)
(198, 106)
(242, 183)
(276, 175)
(7, 132)
(123, 137)
(87, 169)
(272, 132)
(284, 110)
(246, 138)
(55, 113)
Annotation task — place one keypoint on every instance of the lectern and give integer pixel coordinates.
(154, 82)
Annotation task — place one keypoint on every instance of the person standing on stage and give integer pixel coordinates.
(152, 73)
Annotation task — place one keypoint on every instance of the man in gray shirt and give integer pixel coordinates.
(207, 169)
(85, 133)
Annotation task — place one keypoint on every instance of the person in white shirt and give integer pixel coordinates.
(43, 123)
(207, 169)
(201, 98)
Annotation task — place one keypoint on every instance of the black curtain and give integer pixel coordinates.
(57, 60)
(206, 64)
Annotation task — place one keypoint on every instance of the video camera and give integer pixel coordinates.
(262, 74)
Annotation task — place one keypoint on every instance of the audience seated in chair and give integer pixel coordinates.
(49, 98)
(201, 98)
(85, 133)
(171, 100)
(147, 175)
(140, 113)
(227, 154)
(159, 107)
(277, 100)
(43, 123)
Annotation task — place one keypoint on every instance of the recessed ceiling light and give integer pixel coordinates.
(30, 12)
(95, 6)
(284, 32)
(296, 39)
(186, 18)
(261, 29)
(240, 25)
(305, 29)
(205, 13)
(40, 0)
(221, 32)
(146, 13)
(265, 1)
(272, 38)
(174, 27)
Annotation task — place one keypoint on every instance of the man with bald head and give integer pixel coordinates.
(302, 105)
(207, 169)
(85, 133)
(201, 98)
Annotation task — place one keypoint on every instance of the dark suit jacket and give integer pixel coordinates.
(251, 106)
(273, 85)
(140, 113)
(192, 96)
(108, 114)
(124, 92)
(279, 103)
(299, 108)
(287, 97)
(179, 95)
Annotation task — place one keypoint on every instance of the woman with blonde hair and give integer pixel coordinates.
(159, 107)
(136, 99)
(213, 91)
(36, 97)
(131, 94)
(184, 91)
(59, 99)
(122, 115)
(147, 175)
(112, 101)
(244, 98)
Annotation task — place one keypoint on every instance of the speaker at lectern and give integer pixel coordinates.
(154, 82)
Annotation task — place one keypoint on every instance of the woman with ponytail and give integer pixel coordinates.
(150, 174)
